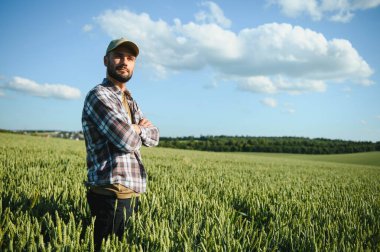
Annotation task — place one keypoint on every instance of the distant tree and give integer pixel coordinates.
(269, 144)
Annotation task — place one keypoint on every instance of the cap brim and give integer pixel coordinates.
(128, 44)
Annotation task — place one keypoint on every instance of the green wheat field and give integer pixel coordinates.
(196, 201)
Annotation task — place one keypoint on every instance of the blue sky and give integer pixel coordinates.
(257, 68)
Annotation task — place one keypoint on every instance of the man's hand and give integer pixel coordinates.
(136, 128)
(143, 123)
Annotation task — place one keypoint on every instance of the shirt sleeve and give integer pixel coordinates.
(149, 135)
(110, 123)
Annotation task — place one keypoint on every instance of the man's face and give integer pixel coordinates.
(120, 64)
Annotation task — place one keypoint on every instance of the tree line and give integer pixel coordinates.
(299, 145)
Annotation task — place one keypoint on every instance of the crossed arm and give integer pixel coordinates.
(143, 123)
(126, 137)
(147, 131)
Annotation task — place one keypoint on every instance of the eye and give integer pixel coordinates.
(118, 56)
(131, 58)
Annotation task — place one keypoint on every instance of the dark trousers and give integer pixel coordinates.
(111, 215)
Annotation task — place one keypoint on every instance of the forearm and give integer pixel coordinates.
(150, 136)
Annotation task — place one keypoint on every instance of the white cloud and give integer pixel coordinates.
(42, 90)
(257, 84)
(87, 28)
(364, 122)
(335, 10)
(270, 102)
(293, 8)
(275, 84)
(215, 15)
(269, 58)
(1, 93)
(288, 108)
(342, 17)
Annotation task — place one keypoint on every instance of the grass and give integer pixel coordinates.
(196, 201)
(365, 158)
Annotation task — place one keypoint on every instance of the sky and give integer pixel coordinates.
(239, 68)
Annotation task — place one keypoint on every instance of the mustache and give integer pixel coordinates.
(122, 67)
(125, 69)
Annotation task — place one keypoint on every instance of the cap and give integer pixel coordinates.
(123, 41)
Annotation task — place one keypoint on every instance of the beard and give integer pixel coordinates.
(119, 77)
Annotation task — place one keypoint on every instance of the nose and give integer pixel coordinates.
(124, 60)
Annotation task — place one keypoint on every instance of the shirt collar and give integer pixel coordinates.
(107, 83)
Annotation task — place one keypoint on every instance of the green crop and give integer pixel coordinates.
(196, 201)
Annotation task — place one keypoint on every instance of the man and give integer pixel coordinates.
(114, 129)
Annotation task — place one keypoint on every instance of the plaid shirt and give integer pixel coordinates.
(113, 147)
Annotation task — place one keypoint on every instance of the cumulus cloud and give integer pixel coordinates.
(42, 90)
(262, 84)
(87, 28)
(338, 11)
(270, 102)
(214, 14)
(270, 58)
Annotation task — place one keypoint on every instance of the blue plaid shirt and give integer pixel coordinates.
(113, 147)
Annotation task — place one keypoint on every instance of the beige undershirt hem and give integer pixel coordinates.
(118, 190)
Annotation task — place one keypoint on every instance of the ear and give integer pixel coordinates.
(105, 60)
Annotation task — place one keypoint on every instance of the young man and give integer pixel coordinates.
(114, 129)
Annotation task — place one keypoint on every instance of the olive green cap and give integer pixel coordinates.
(125, 42)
